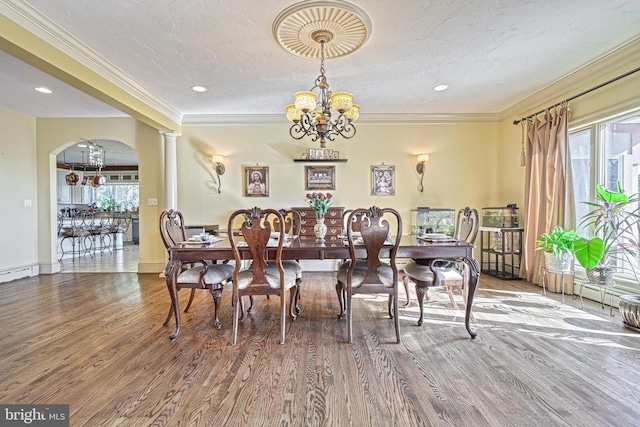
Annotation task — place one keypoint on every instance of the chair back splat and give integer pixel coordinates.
(172, 229)
(467, 225)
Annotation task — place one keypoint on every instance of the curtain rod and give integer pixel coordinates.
(515, 122)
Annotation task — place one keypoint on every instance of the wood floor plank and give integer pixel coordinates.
(96, 342)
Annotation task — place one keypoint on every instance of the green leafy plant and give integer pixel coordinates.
(614, 221)
(558, 241)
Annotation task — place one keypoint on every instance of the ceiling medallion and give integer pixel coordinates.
(349, 25)
(322, 29)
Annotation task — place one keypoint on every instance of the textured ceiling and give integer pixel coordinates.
(492, 53)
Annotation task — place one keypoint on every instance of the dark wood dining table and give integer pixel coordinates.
(303, 248)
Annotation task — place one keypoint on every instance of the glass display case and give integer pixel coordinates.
(432, 220)
(501, 217)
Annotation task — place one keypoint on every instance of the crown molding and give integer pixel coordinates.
(33, 21)
(233, 119)
(427, 118)
(596, 71)
(370, 118)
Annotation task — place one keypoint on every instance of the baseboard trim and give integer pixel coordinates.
(151, 267)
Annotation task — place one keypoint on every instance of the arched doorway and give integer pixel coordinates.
(104, 200)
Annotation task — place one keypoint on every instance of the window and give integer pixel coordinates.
(605, 153)
(118, 196)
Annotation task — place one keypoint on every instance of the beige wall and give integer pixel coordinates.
(56, 134)
(17, 185)
(462, 169)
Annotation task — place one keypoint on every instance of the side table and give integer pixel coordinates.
(543, 273)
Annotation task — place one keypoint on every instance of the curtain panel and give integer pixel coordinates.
(548, 185)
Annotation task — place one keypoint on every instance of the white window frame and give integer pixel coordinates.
(625, 284)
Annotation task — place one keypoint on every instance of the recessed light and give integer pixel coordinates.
(439, 88)
(198, 88)
(43, 89)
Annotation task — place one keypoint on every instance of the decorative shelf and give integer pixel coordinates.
(321, 161)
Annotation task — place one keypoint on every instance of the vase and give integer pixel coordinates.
(320, 229)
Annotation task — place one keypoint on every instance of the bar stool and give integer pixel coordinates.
(100, 230)
(79, 236)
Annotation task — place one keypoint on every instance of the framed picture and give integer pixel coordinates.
(312, 153)
(328, 154)
(336, 155)
(319, 155)
(383, 180)
(304, 156)
(256, 181)
(320, 177)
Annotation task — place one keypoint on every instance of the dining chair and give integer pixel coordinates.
(449, 274)
(198, 275)
(292, 225)
(368, 274)
(260, 278)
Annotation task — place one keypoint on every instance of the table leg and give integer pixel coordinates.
(171, 272)
(474, 274)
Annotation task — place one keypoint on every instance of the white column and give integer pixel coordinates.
(170, 170)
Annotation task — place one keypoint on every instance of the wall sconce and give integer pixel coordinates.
(219, 168)
(422, 159)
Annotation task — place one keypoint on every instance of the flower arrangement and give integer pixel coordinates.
(320, 203)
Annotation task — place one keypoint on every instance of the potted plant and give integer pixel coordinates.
(614, 221)
(558, 248)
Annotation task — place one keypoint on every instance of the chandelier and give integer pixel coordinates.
(311, 111)
(95, 157)
(319, 29)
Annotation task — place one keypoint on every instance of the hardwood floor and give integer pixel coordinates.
(118, 261)
(96, 342)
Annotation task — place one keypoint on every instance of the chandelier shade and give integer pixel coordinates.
(342, 101)
(293, 114)
(353, 113)
(305, 101)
